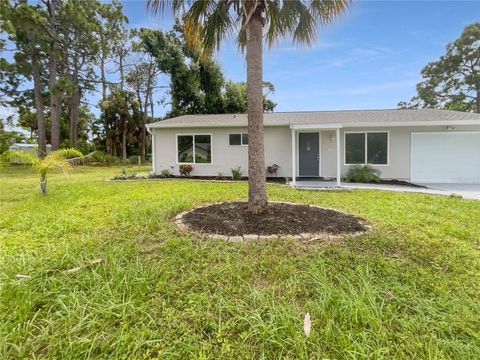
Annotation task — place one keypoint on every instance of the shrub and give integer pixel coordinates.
(237, 173)
(185, 169)
(363, 173)
(273, 169)
(101, 158)
(165, 173)
(125, 175)
(134, 160)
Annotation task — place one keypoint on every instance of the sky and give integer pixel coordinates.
(368, 59)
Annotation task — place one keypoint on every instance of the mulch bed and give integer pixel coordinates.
(232, 219)
(269, 179)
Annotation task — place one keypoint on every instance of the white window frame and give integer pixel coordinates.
(241, 139)
(366, 147)
(193, 150)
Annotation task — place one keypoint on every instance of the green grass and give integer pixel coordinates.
(410, 289)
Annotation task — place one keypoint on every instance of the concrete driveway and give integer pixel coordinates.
(468, 191)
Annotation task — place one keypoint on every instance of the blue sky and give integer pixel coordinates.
(370, 59)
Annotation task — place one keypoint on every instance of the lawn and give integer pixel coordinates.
(410, 289)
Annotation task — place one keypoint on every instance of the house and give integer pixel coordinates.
(31, 148)
(417, 145)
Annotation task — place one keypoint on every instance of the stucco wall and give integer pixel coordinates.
(278, 150)
(224, 156)
(399, 149)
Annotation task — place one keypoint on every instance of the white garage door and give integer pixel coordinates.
(445, 157)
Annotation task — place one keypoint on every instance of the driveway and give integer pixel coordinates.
(468, 191)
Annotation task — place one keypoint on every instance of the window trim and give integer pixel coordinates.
(366, 147)
(193, 163)
(241, 139)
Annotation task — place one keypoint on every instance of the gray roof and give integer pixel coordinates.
(395, 117)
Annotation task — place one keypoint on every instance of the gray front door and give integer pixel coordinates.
(308, 154)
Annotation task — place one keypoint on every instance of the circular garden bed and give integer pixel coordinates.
(231, 221)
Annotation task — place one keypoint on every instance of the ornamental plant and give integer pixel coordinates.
(59, 159)
(185, 170)
(273, 169)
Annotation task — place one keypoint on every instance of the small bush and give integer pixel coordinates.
(124, 174)
(273, 169)
(237, 173)
(185, 170)
(363, 174)
(101, 158)
(165, 173)
(134, 160)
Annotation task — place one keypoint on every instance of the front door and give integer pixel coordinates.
(308, 154)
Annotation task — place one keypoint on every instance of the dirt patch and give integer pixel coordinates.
(232, 219)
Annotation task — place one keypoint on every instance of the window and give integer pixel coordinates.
(238, 139)
(355, 148)
(377, 148)
(366, 148)
(195, 149)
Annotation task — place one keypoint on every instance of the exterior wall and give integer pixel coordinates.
(224, 156)
(278, 150)
(399, 149)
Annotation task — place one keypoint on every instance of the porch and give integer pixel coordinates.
(307, 155)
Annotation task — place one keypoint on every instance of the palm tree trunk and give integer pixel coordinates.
(257, 195)
(37, 86)
(43, 184)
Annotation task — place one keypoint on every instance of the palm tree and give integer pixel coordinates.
(207, 22)
(59, 159)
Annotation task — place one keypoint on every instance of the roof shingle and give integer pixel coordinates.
(395, 116)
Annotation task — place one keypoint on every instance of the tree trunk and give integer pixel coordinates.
(43, 184)
(478, 101)
(122, 76)
(37, 86)
(257, 195)
(124, 142)
(55, 98)
(143, 133)
(143, 143)
(74, 107)
(151, 103)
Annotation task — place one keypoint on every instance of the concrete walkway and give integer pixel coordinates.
(467, 191)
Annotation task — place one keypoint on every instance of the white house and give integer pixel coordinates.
(421, 146)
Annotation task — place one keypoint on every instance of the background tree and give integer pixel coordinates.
(81, 48)
(121, 111)
(453, 81)
(142, 80)
(207, 23)
(27, 27)
(8, 137)
(197, 84)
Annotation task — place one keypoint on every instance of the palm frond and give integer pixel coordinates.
(208, 22)
(18, 157)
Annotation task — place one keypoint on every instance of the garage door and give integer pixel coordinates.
(445, 157)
